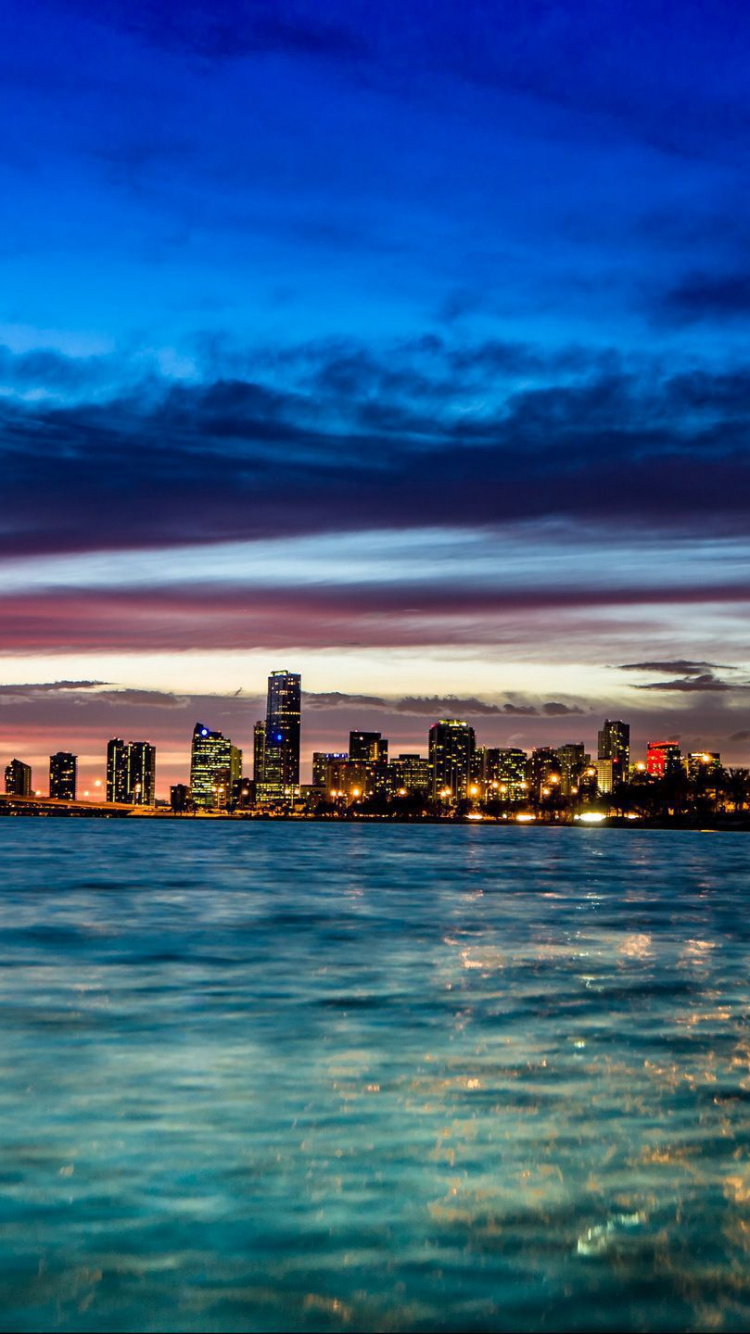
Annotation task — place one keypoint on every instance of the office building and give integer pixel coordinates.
(545, 770)
(606, 774)
(663, 759)
(215, 764)
(452, 744)
(410, 774)
(18, 779)
(368, 748)
(573, 760)
(259, 753)
(282, 740)
(321, 763)
(704, 765)
(63, 772)
(505, 770)
(614, 744)
(351, 780)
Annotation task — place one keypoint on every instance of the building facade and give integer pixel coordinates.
(282, 739)
(452, 744)
(321, 763)
(63, 775)
(142, 773)
(663, 759)
(18, 779)
(573, 760)
(131, 772)
(614, 745)
(118, 767)
(505, 772)
(215, 764)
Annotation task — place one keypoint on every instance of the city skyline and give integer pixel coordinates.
(435, 387)
(129, 767)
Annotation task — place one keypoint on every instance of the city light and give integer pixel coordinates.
(458, 778)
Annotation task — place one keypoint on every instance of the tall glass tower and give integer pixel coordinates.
(281, 759)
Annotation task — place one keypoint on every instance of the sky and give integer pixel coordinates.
(403, 346)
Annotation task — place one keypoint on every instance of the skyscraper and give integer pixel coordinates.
(281, 764)
(142, 773)
(544, 769)
(452, 745)
(131, 772)
(259, 753)
(572, 757)
(117, 770)
(214, 765)
(63, 771)
(18, 779)
(614, 744)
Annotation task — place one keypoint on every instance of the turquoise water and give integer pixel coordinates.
(317, 1077)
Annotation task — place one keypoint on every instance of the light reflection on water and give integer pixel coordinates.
(273, 1076)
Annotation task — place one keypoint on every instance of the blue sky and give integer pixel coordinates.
(332, 332)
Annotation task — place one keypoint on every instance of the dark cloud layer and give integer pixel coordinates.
(433, 706)
(706, 681)
(353, 440)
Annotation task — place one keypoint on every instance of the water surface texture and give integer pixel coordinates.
(268, 1076)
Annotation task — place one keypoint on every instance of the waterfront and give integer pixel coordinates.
(267, 1076)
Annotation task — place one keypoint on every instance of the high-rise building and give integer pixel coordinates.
(18, 779)
(351, 779)
(368, 748)
(606, 775)
(321, 763)
(506, 772)
(283, 714)
(131, 772)
(259, 753)
(142, 773)
(663, 759)
(118, 770)
(63, 772)
(214, 765)
(702, 764)
(614, 744)
(573, 761)
(479, 767)
(452, 744)
(410, 773)
(545, 770)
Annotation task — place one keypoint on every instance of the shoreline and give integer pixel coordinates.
(739, 823)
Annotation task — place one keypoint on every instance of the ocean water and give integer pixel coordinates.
(271, 1076)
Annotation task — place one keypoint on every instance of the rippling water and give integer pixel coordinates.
(272, 1076)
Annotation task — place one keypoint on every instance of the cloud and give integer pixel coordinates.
(708, 297)
(554, 709)
(687, 666)
(226, 30)
(706, 681)
(33, 692)
(160, 699)
(435, 706)
(238, 458)
(36, 689)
